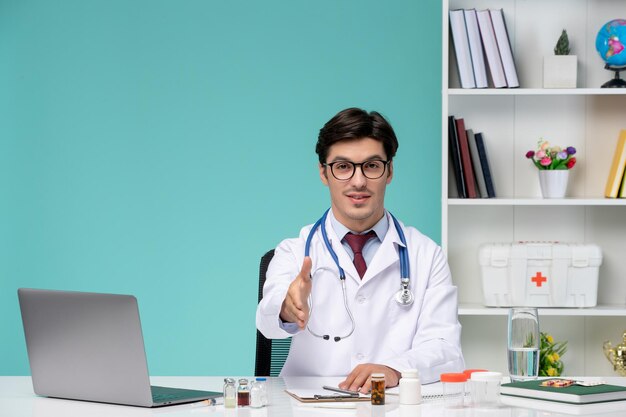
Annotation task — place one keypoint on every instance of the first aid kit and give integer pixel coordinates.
(540, 274)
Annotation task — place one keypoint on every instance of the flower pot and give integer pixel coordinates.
(559, 71)
(553, 182)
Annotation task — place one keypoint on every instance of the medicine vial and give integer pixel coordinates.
(410, 387)
(243, 393)
(230, 393)
(378, 389)
(256, 395)
(263, 384)
(453, 389)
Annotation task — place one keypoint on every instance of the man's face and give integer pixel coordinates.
(358, 203)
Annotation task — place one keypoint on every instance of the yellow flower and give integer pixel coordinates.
(555, 356)
(551, 371)
(550, 339)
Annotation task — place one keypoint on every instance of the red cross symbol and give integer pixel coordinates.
(539, 279)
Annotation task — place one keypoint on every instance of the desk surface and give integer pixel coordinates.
(18, 400)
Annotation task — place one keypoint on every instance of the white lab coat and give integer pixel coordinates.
(425, 335)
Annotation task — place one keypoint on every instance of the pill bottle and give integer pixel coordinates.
(230, 393)
(243, 393)
(485, 389)
(378, 388)
(410, 387)
(453, 389)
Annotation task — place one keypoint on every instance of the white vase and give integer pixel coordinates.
(559, 71)
(553, 182)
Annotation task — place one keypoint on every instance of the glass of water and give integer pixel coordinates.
(523, 344)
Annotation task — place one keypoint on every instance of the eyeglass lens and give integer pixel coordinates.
(344, 170)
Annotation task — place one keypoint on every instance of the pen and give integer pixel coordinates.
(343, 391)
(336, 397)
(207, 403)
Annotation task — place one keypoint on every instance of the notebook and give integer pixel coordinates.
(89, 346)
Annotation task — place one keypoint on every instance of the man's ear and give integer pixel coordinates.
(390, 172)
(323, 176)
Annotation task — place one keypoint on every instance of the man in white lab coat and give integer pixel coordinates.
(364, 328)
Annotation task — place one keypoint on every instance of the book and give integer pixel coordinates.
(466, 160)
(455, 156)
(476, 48)
(478, 170)
(461, 48)
(574, 394)
(484, 164)
(496, 71)
(622, 190)
(504, 47)
(618, 165)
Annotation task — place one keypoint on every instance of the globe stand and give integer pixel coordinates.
(616, 82)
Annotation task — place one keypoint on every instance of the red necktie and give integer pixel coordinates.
(356, 243)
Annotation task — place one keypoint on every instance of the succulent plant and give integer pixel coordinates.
(562, 45)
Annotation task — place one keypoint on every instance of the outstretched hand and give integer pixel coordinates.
(295, 308)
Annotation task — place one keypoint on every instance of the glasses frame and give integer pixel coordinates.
(354, 165)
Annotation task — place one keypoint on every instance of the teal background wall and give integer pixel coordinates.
(159, 148)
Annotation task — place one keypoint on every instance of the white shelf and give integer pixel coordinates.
(535, 91)
(536, 202)
(600, 310)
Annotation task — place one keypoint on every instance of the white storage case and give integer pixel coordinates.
(540, 274)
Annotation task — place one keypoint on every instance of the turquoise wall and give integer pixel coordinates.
(159, 148)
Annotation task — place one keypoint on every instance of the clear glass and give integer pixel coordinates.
(523, 344)
(243, 393)
(344, 170)
(230, 393)
(264, 396)
(256, 395)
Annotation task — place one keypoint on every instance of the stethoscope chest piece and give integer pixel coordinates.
(404, 296)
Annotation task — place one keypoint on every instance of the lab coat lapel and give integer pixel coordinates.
(387, 253)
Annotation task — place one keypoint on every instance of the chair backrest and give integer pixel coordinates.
(271, 354)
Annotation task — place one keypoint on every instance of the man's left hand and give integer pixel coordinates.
(359, 378)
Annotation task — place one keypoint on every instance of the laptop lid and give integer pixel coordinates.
(87, 346)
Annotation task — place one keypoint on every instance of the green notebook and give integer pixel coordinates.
(574, 394)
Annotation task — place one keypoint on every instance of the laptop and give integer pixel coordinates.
(89, 346)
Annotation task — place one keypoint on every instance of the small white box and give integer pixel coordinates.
(540, 274)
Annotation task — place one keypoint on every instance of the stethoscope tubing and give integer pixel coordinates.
(404, 269)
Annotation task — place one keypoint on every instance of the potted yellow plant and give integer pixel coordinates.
(551, 352)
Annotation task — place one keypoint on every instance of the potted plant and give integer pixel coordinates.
(560, 69)
(553, 163)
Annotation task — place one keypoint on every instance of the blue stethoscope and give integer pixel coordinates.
(404, 296)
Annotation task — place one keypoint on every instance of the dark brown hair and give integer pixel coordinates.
(354, 123)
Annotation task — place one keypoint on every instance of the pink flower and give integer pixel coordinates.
(544, 145)
(545, 161)
(540, 154)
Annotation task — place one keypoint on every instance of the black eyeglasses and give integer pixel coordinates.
(344, 170)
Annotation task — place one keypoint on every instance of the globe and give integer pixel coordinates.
(611, 41)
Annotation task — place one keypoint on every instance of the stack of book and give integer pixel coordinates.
(481, 43)
(616, 183)
(469, 161)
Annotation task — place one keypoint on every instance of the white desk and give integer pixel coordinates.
(17, 400)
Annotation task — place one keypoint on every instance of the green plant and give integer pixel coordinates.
(562, 45)
(550, 363)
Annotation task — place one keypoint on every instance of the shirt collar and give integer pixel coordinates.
(379, 228)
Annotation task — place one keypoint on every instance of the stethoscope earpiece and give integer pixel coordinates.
(404, 297)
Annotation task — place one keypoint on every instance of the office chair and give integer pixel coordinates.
(271, 354)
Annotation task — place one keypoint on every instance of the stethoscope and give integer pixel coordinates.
(404, 296)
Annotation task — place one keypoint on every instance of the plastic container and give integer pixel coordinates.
(485, 389)
(378, 389)
(410, 387)
(453, 389)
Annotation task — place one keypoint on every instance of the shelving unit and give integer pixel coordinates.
(512, 121)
